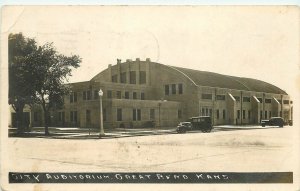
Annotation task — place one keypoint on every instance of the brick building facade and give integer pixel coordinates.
(139, 92)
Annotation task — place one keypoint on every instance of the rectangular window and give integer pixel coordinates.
(142, 96)
(180, 89)
(152, 114)
(73, 97)
(238, 114)
(119, 114)
(132, 77)
(179, 114)
(268, 100)
(206, 96)
(286, 101)
(203, 111)
(270, 114)
(126, 95)
(134, 95)
(260, 99)
(114, 78)
(261, 114)
(266, 114)
(73, 116)
(206, 111)
(119, 95)
(218, 114)
(142, 77)
(224, 114)
(139, 115)
(244, 114)
(88, 95)
(123, 77)
(237, 98)
(84, 95)
(59, 116)
(88, 116)
(109, 94)
(167, 90)
(246, 99)
(220, 97)
(280, 113)
(173, 88)
(134, 114)
(249, 114)
(35, 116)
(96, 94)
(210, 112)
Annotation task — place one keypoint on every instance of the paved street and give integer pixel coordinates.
(85, 133)
(252, 150)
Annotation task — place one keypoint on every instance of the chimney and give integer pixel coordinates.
(109, 65)
(128, 60)
(137, 59)
(148, 60)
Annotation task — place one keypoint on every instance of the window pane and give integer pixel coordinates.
(134, 95)
(246, 99)
(152, 114)
(132, 77)
(268, 100)
(220, 97)
(139, 115)
(84, 95)
(180, 89)
(119, 114)
(126, 95)
(134, 114)
(207, 96)
(173, 88)
(142, 96)
(114, 78)
(123, 77)
(75, 96)
(119, 95)
(167, 90)
(142, 77)
(96, 95)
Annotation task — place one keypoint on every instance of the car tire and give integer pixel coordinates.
(263, 125)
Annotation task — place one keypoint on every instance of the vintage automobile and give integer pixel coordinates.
(274, 121)
(182, 127)
(203, 123)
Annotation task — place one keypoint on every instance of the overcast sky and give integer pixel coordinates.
(254, 42)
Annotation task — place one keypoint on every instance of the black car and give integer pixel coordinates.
(182, 127)
(203, 123)
(274, 121)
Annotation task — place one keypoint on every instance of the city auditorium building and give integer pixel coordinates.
(138, 93)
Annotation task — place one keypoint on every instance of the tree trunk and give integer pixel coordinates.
(46, 119)
(46, 116)
(19, 116)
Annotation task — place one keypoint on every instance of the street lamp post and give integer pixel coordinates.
(101, 114)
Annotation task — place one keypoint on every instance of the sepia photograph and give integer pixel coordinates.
(150, 97)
